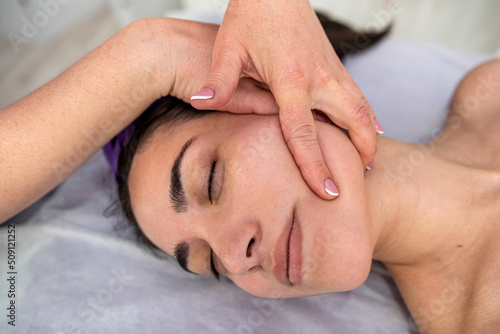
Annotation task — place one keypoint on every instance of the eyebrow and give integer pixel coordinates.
(181, 253)
(177, 194)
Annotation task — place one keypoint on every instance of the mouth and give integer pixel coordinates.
(287, 256)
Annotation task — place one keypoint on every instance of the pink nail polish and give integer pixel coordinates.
(378, 127)
(370, 166)
(331, 188)
(203, 94)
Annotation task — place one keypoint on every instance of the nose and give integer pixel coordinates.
(237, 246)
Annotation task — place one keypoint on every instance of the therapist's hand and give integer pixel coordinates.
(184, 49)
(282, 44)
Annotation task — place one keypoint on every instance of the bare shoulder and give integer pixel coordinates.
(473, 124)
(477, 97)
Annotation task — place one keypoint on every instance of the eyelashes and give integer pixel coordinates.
(210, 192)
(211, 181)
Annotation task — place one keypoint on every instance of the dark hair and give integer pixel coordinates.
(346, 41)
(169, 111)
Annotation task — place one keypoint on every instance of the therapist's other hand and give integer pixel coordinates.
(282, 44)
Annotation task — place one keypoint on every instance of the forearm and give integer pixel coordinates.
(50, 133)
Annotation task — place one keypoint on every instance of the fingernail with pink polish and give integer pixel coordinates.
(370, 166)
(378, 127)
(331, 188)
(203, 94)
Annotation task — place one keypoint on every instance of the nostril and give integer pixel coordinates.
(249, 251)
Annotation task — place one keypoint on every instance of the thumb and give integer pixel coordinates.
(221, 82)
(251, 98)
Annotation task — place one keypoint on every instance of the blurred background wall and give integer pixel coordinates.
(41, 38)
(461, 24)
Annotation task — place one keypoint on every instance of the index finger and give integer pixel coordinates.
(299, 131)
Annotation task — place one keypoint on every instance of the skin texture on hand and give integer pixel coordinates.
(282, 44)
(190, 46)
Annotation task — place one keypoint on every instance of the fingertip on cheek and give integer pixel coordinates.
(330, 188)
(369, 166)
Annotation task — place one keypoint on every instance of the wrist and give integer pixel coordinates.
(190, 46)
(146, 47)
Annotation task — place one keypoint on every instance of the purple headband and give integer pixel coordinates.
(113, 148)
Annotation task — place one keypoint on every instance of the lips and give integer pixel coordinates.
(287, 255)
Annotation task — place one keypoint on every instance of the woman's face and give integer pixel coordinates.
(270, 234)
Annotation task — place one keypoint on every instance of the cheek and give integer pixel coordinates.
(259, 160)
(339, 247)
(256, 139)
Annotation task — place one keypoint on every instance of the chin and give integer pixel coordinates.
(355, 272)
(341, 270)
(318, 277)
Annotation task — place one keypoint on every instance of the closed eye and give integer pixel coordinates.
(210, 187)
(211, 181)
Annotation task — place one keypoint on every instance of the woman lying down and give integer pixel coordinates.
(222, 194)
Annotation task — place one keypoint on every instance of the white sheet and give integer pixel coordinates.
(77, 275)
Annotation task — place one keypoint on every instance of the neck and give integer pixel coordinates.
(414, 196)
(434, 226)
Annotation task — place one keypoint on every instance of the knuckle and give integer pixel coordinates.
(323, 77)
(295, 75)
(360, 114)
(220, 78)
(226, 68)
(303, 133)
(302, 141)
